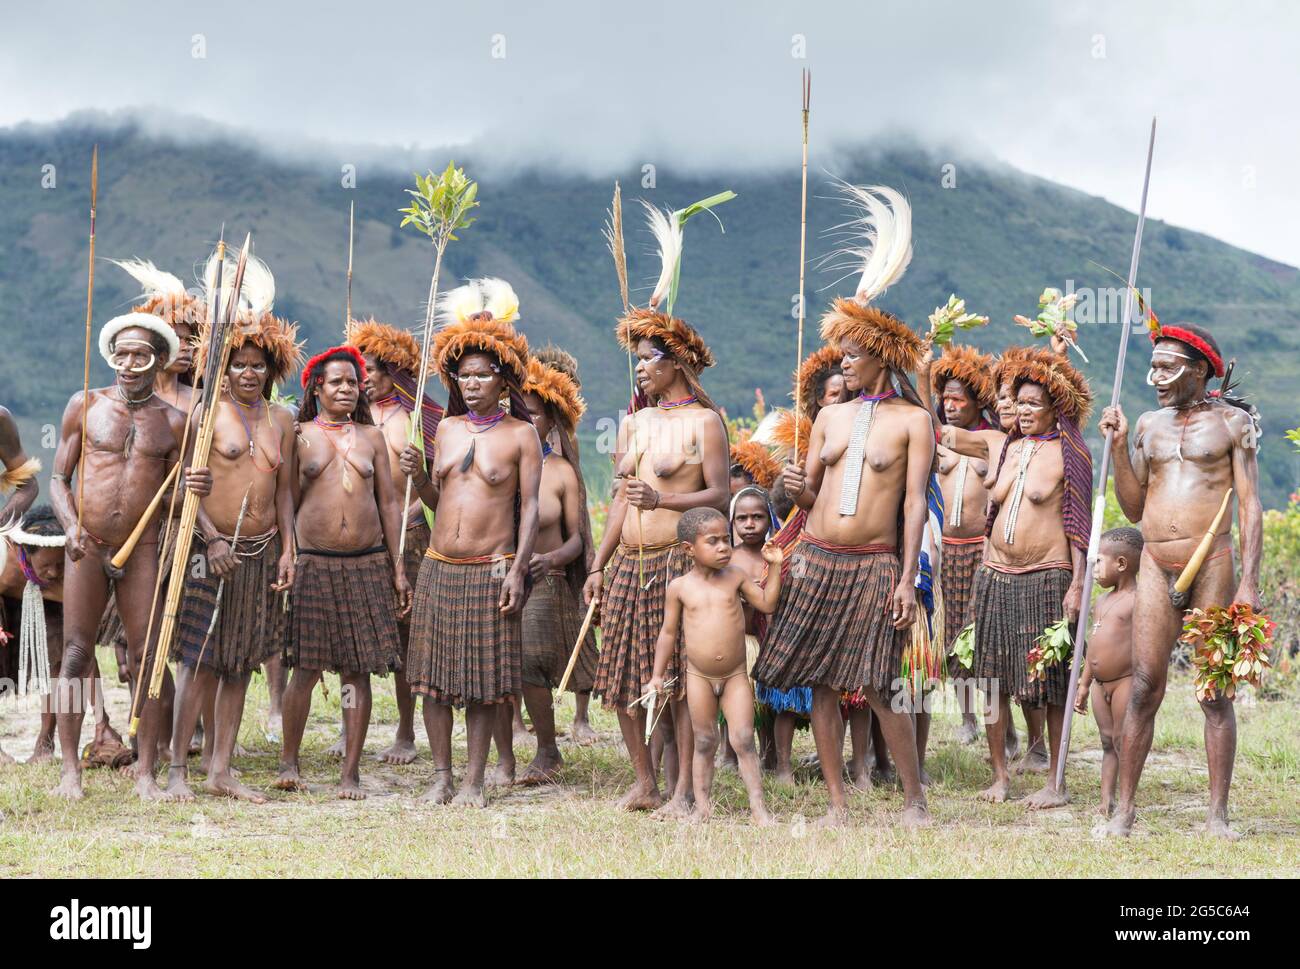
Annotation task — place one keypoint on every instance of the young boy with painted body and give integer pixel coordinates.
(705, 604)
(1108, 673)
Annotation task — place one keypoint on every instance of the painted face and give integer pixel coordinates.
(832, 390)
(1006, 407)
(481, 383)
(959, 407)
(1177, 374)
(655, 372)
(185, 355)
(136, 361)
(859, 368)
(537, 410)
(248, 373)
(338, 392)
(378, 383)
(1034, 411)
(751, 521)
(712, 545)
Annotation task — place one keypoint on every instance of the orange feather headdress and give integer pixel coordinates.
(275, 337)
(880, 334)
(783, 434)
(479, 316)
(814, 369)
(1066, 387)
(561, 360)
(682, 342)
(971, 368)
(389, 344)
(557, 390)
(758, 462)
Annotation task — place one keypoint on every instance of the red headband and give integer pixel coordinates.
(320, 358)
(1193, 341)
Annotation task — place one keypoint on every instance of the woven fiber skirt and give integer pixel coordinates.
(343, 614)
(631, 618)
(957, 580)
(251, 622)
(833, 625)
(1011, 612)
(417, 543)
(463, 649)
(551, 622)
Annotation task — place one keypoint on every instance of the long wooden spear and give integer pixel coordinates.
(347, 314)
(1099, 501)
(90, 304)
(440, 205)
(806, 85)
(220, 336)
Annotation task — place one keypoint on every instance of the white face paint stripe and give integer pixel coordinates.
(1164, 381)
(1172, 353)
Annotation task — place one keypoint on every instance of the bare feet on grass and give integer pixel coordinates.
(147, 789)
(1217, 826)
(289, 779)
(177, 788)
(677, 808)
(641, 797)
(582, 734)
(225, 785)
(399, 752)
(337, 749)
(544, 769)
(503, 774)
(968, 732)
(69, 786)
(916, 816)
(349, 788)
(470, 796)
(1048, 796)
(441, 791)
(996, 793)
(833, 818)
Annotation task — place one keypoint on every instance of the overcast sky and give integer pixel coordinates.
(1063, 90)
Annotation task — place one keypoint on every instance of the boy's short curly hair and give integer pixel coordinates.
(689, 525)
(1130, 539)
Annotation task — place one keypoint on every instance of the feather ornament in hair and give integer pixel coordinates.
(153, 281)
(499, 299)
(668, 239)
(884, 218)
(459, 304)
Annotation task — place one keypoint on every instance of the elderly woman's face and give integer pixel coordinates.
(860, 369)
(1034, 411)
(481, 383)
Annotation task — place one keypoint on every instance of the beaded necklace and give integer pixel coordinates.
(1027, 452)
(670, 404)
(240, 407)
(328, 426)
(857, 449)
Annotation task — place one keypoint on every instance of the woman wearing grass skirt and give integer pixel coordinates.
(466, 646)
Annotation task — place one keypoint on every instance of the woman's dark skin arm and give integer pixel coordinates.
(390, 516)
(803, 484)
(572, 547)
(530, 480)
(285, 478)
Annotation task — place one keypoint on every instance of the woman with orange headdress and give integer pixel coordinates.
(672, 457)
(231, 619)
(552, 617)
(1032, 577)
(466, 647)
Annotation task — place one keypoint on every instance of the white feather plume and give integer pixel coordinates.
(491, 295)
(459, 304)
(257, 293)
(499, 299)
(668, 237)
(153, 281)
(883, 219)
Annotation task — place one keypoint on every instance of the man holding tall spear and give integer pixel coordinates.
(132, 440)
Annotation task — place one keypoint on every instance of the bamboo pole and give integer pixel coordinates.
(806, 85)
(90, 303)
(417, 415)
(1099, 502)
(190, 508)
(347, 315)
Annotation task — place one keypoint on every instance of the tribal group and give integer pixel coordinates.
(921, 512)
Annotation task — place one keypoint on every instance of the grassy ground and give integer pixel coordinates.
(572, 829)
